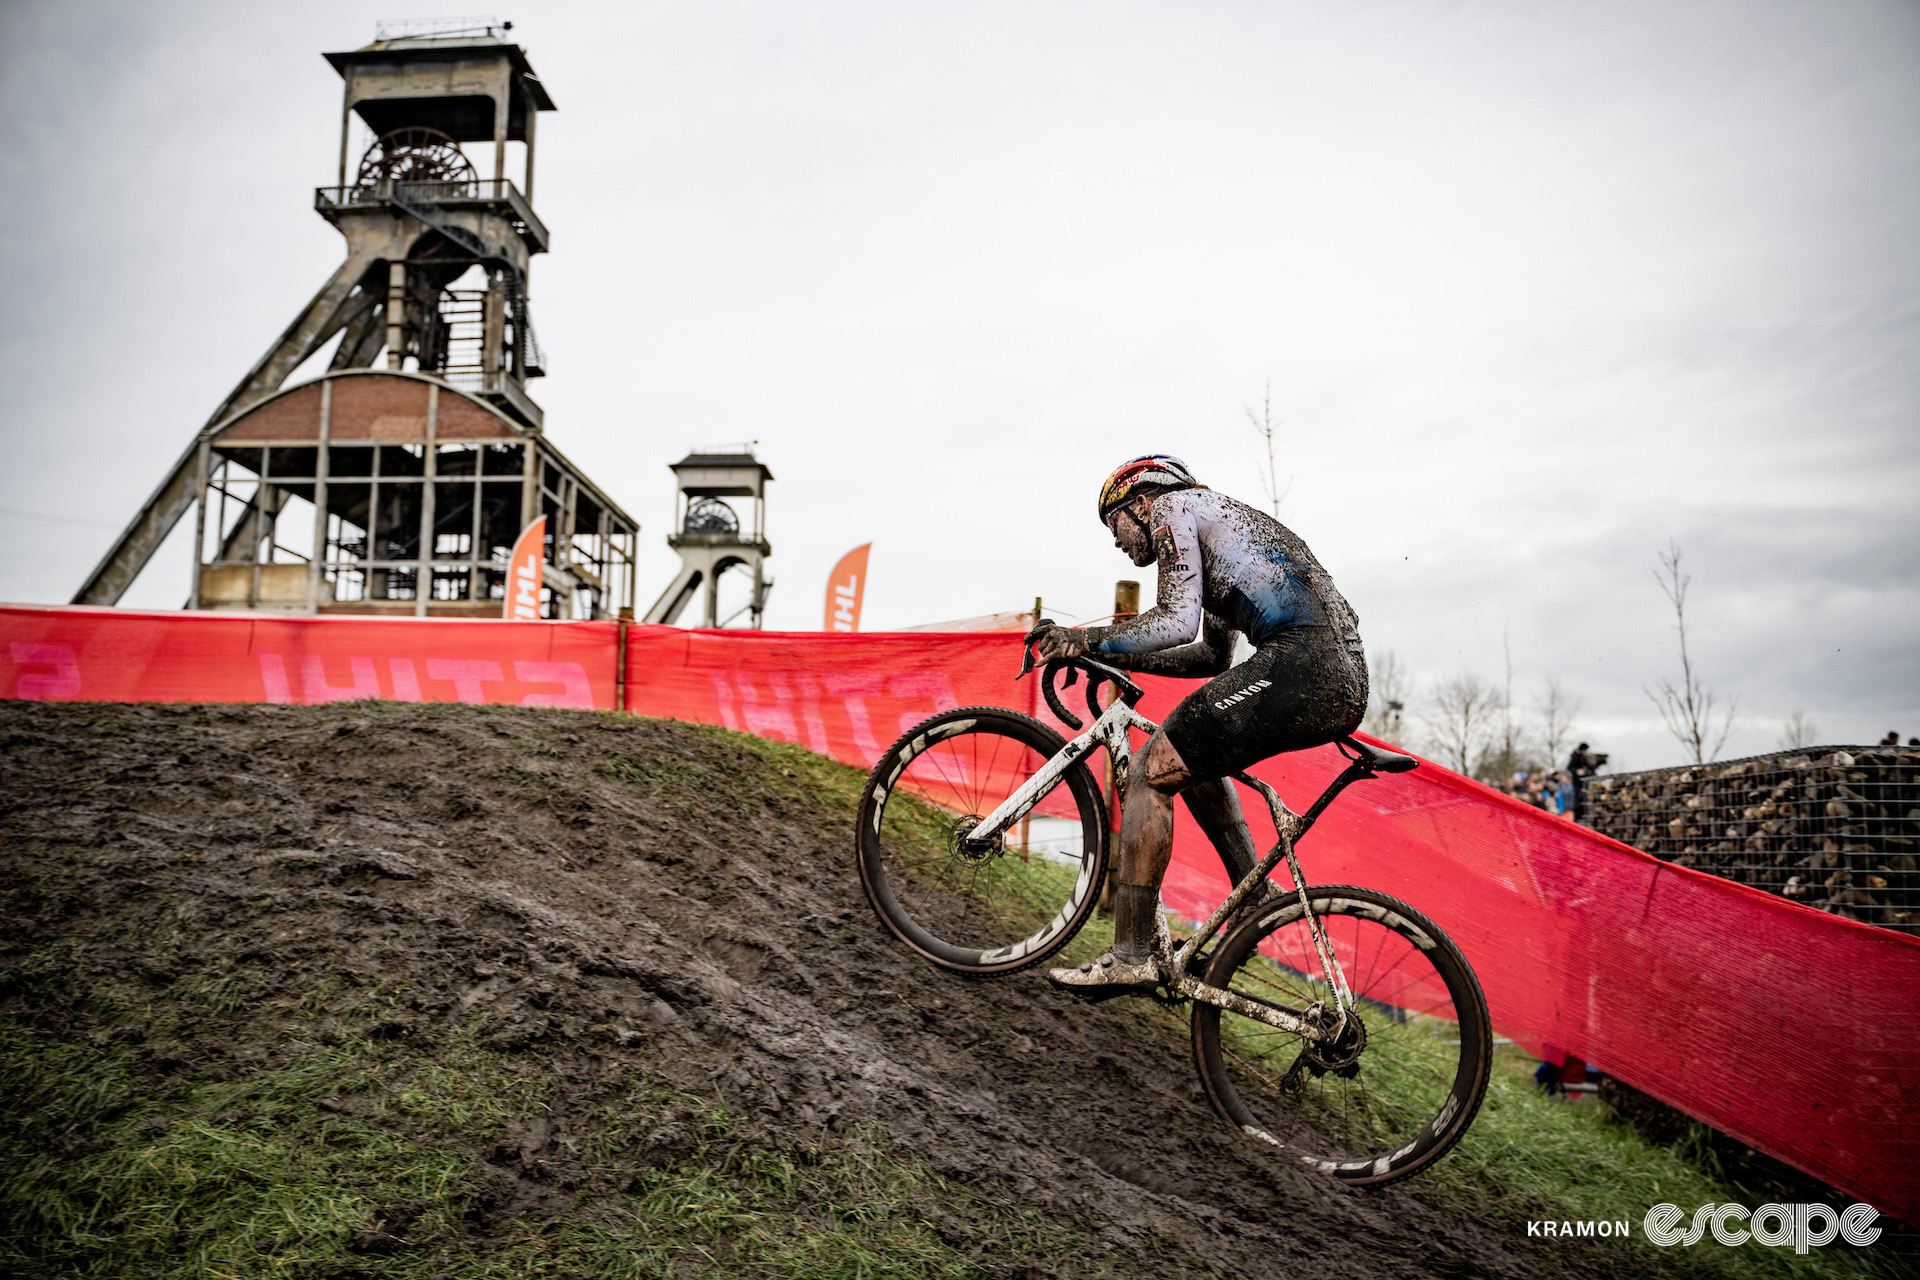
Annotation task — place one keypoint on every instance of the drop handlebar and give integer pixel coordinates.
(1098, 673)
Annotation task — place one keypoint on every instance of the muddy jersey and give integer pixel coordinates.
(1221, 556)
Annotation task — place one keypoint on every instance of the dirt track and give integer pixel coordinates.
(613, 890)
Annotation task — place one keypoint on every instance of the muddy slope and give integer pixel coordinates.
(611, 890)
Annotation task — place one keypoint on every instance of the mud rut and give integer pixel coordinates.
(697, 915)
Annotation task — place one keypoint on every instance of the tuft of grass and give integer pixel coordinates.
(703, 771)
(110, 1173)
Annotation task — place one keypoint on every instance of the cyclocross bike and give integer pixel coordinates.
(1336, 1024)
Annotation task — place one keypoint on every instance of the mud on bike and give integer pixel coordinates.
(1333, 1023)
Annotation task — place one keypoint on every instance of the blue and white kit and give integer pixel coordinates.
(1225, 566)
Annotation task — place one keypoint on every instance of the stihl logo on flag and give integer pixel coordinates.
(525, 568)
(846, 586)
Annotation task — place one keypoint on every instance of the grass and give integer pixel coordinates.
(220, 1126)
(109, 1177)
(705, 774)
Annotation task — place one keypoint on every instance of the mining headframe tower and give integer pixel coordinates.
(397, 481)
(712, 537)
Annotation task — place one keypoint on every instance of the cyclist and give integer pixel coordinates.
(1224, 568)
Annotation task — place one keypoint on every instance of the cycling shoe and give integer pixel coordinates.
(1107, 977)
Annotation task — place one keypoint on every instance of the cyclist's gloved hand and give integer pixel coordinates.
(1059, 642)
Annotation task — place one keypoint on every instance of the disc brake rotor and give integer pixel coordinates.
(1339, 1054)
(962, 845)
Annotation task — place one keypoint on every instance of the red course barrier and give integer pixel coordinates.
(1794, 1031)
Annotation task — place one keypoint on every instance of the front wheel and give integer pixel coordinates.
(1399, 1086)
(973, 904)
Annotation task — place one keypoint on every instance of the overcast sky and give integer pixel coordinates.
(1538, 287)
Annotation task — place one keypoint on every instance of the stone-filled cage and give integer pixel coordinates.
(1837, 828)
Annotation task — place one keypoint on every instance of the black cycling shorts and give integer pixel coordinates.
(1301, 689)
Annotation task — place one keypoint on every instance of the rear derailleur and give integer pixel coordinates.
(1339, 1055)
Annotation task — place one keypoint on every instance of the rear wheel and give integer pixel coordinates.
(1399, 1086)
(972, 905)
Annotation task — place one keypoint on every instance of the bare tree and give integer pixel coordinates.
(1555, 711)
(1264, 424)
(1460, 711)
(1798, 730)
(1688, 707)
(1389, 690)
(1501, 758)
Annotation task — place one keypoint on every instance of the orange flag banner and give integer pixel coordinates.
(526, 567)
(846, 588)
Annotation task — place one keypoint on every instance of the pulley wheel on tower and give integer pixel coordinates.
(710, 515)
(415, 154)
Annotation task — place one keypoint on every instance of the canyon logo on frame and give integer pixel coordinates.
(525, 569)
(846, 589)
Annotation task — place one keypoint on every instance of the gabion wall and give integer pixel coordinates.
(1837, 828)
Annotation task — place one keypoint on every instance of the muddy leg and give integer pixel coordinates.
(1146, 845)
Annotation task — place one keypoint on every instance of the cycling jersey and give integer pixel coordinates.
(1306, 682)
(1223, 557)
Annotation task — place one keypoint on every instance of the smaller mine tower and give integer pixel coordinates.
(397, 481)
(711, 538)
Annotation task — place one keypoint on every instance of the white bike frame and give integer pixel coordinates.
(1110, 730)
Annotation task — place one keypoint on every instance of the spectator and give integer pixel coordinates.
(1580, 766)
(1549, 789)
(1892, 739)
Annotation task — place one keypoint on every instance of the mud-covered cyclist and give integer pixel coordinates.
(1224, 568)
